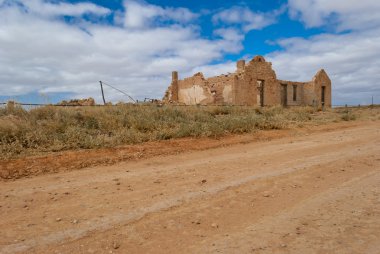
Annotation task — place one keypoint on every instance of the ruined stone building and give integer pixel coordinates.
(253, 84)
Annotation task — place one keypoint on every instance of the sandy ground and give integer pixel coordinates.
(311, 193)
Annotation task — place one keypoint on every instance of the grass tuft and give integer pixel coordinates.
(51, 129)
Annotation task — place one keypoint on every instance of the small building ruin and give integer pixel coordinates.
(253, 84)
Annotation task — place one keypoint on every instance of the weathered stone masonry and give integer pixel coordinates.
(253, 84)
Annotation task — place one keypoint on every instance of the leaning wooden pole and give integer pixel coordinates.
(101, 88)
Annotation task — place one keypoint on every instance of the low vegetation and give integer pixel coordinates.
(51, 129)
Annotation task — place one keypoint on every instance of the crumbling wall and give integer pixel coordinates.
(321, 79)
(78, 102)
(194, 90)
(299, 90)
(260, 71)
(309, 96)
(313, 90)
(198, 90)
(221, 89)
(243, 92)
(171, 94)
(253, 84)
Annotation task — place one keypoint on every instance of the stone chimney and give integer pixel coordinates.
(240, 65)
(174, 76)
(174, 86)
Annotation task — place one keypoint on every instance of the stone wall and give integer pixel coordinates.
(256, 74)
(320, 80)
(221, 89)
(294, 92)
(253, 84)
(194, 90)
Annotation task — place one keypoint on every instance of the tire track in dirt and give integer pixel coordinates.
(138, 214)
(292, 156)
(271, 234)
(227, 155)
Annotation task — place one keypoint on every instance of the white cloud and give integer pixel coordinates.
(248, 19)
(216, 69)
(352, 61)
(229, 34)
(139, 14)
(345, 14)
(41, 54)
(62, 9)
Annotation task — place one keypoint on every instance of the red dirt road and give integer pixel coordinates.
(317, 193)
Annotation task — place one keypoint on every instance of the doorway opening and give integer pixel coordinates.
(260, 93)
(284, 95)
(323, 96)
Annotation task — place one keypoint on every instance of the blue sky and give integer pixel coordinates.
(54, 50)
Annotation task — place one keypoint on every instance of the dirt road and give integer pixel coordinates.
(317, 193)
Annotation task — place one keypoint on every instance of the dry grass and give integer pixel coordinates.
(51, 129)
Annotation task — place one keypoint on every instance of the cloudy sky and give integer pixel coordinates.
(53, 50)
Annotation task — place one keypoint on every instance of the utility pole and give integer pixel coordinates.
(101, 88)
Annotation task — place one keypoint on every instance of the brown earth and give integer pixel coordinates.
(303, 191)
(30, 166)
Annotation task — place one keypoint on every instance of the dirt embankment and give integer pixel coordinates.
(78, 159)
(315, 191)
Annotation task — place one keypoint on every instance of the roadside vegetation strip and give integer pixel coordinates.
(52, 129)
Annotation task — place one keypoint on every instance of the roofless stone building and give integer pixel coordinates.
(253, 84)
